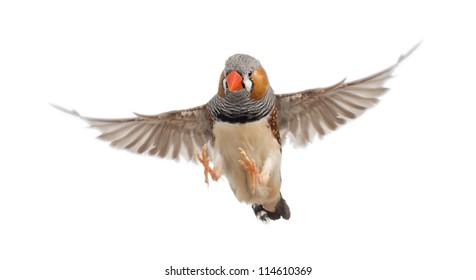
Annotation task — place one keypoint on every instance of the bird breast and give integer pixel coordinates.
(259, 143)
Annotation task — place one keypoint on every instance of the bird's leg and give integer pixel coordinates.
(250, 167)
(205, 161)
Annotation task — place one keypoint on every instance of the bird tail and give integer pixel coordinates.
(281, 211)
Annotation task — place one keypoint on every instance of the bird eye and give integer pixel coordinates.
(249, 74)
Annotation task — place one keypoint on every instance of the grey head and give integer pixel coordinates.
(244, 93)
(242, 63)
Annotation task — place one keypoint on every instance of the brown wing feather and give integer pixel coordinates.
(172, 135)
(302, 114)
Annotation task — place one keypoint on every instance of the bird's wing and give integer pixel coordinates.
(168, 135)
(302, 114)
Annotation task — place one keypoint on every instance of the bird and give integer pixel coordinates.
(238, 134)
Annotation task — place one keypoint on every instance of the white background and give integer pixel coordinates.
(389, 196)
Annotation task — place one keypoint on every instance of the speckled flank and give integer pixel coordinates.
(273, 124)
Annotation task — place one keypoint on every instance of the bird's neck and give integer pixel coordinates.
(240, 108)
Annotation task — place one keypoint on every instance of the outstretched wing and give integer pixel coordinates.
(302, 114)
(168, 135)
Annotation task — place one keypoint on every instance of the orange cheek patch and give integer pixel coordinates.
(260, 83)
(221, 90)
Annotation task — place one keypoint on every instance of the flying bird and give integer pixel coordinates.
(238, 134)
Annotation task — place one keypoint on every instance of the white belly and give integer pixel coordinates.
(256, 139)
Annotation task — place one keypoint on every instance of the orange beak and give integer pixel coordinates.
(234, 81)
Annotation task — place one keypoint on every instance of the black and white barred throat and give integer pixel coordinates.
(238, 107)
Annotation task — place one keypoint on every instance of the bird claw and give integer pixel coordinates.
(205, 161)
(250, 166)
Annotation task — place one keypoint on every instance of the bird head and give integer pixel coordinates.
(243, 75)
(244, 93)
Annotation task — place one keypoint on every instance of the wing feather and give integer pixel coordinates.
(321, 110)
(175, 134)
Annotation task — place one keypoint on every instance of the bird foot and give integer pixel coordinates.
(205, 161)
(250, 166)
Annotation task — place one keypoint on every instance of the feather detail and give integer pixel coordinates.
(302, 114)
(175, 134)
